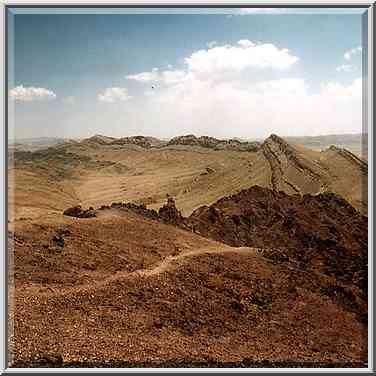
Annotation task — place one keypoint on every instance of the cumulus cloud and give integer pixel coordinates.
(114, 94)
(219, 92)
(255, 109)
(350, 53)
(245, 54)
(218, 61)
(28, 94)
(246, 107)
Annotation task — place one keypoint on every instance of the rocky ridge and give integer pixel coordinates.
(318, 234)
(214, 143)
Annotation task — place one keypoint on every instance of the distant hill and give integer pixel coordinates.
(33, 144)
(356, 143)
(196, 171)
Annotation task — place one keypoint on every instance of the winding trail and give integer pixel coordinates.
(168, 263)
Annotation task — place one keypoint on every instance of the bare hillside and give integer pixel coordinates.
(125, 290)
(101, 170)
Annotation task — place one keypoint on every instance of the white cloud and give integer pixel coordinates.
(145, 76)
(244, 11)
(172, 76)
(245, 54)
(350, 53)
(281, 87)
(219, 61)
(220, 92)
(211, 44)
(114, 94)
(284, 106)
(28, 94)
(341, 92)
(246, 43)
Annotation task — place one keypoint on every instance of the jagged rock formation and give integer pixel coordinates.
(145, 142)
(138, 209)
(323, 235)
(169, 213)
(213, 143)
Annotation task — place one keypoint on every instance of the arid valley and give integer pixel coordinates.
(192, 252)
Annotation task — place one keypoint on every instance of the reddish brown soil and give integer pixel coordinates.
(125, 290)
(218, 308)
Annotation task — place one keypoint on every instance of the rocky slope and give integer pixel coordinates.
(322, 235)
(133, 287)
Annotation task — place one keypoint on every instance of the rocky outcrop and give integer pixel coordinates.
(78, 212)
(145, 142)
(169, 213)
(138, 209)
(214, 143)
(320, 234)
(99, 139)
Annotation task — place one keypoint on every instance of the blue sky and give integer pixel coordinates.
(245, 74)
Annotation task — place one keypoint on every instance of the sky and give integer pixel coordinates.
(238, 73)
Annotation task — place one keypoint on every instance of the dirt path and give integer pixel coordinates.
(169, 263)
